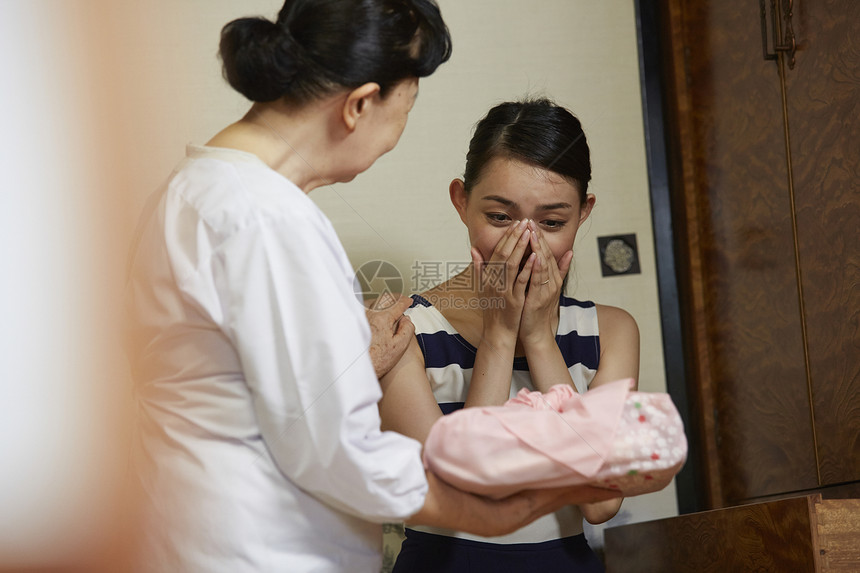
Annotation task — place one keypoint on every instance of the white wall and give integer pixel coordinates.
(108, 92)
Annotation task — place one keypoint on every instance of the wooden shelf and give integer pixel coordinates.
(789, 535)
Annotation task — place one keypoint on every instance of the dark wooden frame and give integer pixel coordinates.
(691, 494)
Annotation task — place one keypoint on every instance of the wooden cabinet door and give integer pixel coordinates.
(823, 100)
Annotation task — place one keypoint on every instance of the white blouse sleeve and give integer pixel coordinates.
(284, 292)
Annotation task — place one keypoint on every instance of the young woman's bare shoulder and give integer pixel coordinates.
(612, 320)
(619, 345)
(442, 290)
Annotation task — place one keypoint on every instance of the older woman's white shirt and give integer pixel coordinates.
(260, 445)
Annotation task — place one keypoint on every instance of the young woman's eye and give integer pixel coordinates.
(553, 224)
(498, 217)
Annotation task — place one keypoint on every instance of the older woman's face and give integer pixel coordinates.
(510, 190)
(395, 110)
(382, 127)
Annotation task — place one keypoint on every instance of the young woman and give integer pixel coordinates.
(504, 324)
(260, 445)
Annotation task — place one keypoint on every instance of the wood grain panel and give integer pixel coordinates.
(758, 378)
(774, 536)
(824, 118)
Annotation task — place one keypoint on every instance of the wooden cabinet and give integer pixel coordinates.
(823, 102)
(804, 534)
(766, 198)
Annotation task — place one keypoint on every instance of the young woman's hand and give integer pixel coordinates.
(501, 283)
(540, 307)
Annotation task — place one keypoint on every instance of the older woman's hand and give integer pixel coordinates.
(390, 331)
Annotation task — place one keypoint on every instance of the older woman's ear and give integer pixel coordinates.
(356, 103)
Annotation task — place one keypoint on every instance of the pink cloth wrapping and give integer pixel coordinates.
(609, 437)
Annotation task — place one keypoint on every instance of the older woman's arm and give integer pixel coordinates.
(451, 508)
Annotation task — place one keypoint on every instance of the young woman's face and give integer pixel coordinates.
(509, 190)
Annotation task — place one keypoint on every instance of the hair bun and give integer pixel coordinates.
(317, 48)
(260, 58)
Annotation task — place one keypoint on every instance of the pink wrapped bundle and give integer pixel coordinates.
(609, 437)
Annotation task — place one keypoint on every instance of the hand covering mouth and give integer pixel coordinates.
(525, 259)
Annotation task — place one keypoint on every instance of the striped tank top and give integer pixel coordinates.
(449, 359)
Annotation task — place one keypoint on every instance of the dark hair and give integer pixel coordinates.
(537, 132)
(318, 47)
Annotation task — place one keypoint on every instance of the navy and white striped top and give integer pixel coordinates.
(449, 360)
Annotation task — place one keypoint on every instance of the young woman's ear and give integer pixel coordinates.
(585, 210)
(459, 197)
(357, 102)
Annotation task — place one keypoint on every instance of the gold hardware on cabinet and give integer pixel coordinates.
(783, 40)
